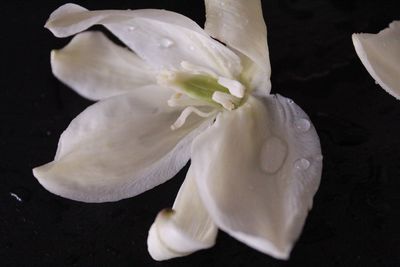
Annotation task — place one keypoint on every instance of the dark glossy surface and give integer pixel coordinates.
(356, 216)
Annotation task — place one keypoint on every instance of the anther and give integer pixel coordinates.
(235, 88)
(226, 100)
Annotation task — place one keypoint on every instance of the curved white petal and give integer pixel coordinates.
(119, 148)
(185, 228)
(240, 24)
(164, 39)
(257, 169)
(380, 54)
(96, 68)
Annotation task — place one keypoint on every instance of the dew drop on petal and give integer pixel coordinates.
(273, 154)
(319, 158)
(165, 42)
(302, 164)
(131, 28)
(290, 101)
(302, 125)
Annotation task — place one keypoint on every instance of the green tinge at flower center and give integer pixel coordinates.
(211, 89)
(197, 88)
(201, 87)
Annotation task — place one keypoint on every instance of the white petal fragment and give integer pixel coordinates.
(185, 228)
(380, 54)
(96, 68)
(240, 24)
(249, 176)
(162, 38)
(119, 148)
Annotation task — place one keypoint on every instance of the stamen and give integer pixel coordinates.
(235, 88)
(226, 100)
(198, 86)
(187, 66)
(186, 112)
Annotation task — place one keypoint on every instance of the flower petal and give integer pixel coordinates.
(240, 24)
(185, 228)
(164, 39)
(257, 169)
(380, 54)
(120, 147)
(97, 68)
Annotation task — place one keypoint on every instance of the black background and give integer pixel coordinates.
(356, 216)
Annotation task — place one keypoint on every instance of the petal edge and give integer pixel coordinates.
(184, 229)
(380, 55)
(265, 207)
(96, 68)
(120, 147)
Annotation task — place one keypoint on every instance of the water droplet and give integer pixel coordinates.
(290, 101)
(273, 154)
(302, 125)
(302, 164)
(319, 158)
(191, 47)
(131, 28)
(165, 42)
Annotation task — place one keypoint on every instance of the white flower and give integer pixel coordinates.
(380, 54)
(256, 159)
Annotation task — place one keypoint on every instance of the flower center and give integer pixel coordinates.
(196, 87)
